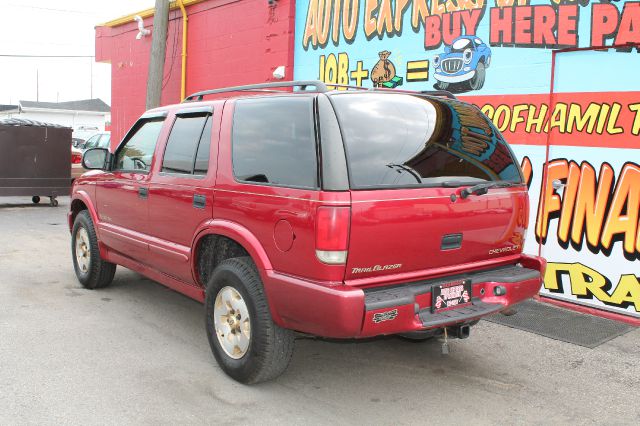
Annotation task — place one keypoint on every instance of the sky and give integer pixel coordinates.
(56, 27)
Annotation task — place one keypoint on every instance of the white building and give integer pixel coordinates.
(85, 117)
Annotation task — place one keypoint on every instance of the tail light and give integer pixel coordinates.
(76, 158)
(332, 234)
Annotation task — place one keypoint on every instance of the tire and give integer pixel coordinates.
(270, 347)
(477, 81)
(92, 272)
(35, 199)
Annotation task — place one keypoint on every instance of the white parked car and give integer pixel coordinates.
(98, 140)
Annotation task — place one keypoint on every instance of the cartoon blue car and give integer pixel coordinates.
(462, 65)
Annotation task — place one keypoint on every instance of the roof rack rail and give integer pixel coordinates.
(332, 86)
(319, 86)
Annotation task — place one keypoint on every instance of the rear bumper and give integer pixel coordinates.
(346, 312)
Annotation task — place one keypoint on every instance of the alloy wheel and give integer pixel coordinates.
(232, 323)
(83, 250)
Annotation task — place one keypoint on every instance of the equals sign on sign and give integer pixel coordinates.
(418, 70)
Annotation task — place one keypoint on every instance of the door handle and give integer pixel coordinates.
(143, 192)
(199, 201)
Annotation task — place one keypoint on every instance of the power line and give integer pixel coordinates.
(46, 56)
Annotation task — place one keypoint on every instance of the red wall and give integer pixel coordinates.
(230, 42)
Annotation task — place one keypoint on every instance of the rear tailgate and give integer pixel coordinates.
(399, 231)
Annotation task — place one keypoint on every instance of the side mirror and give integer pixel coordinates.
(95, 159)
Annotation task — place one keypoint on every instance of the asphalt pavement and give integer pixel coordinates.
(136, 353)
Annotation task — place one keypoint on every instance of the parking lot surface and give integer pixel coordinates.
(136, 353)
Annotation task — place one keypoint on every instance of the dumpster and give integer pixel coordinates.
(35, 159)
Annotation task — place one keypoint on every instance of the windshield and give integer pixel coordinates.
(400, 140)
(460, 45)
(105, 141)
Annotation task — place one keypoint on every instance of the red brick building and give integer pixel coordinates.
(229, 42)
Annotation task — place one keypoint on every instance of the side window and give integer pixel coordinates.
(136, 153)
(92, 142)
(274, 142)
(187, 150)
(202, 157)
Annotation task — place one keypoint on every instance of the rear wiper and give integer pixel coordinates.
(483, 188)
(403, 168)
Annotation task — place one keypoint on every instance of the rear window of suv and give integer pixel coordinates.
(402, 140)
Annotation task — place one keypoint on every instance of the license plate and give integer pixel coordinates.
(450, 295)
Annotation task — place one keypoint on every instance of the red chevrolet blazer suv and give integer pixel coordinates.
(297, 207)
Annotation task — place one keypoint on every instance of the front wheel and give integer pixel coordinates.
(92, 271)
(247, 344)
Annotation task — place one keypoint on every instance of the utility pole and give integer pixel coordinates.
(158, 53)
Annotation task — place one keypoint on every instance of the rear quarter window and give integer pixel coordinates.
(274, 143)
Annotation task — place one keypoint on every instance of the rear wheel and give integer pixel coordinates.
(35, 199)
(247, 344)
(92, 271)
